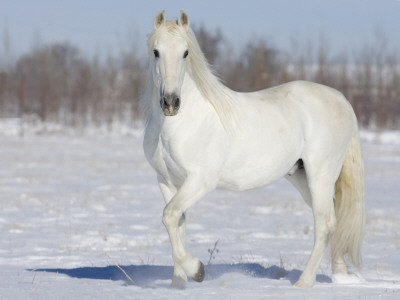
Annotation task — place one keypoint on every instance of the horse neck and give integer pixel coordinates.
(218, 96)
(193, 98)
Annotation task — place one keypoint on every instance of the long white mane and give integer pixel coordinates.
(217, 94)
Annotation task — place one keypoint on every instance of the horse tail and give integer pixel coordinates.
(350, 204)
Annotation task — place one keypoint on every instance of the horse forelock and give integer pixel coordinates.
(170, 27)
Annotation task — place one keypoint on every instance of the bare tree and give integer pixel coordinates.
(56, 83)
(209, 43)
(259, 67)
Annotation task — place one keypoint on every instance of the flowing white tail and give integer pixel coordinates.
(350, 205)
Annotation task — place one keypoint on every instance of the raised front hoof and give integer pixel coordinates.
(200, 274)
(304, 284)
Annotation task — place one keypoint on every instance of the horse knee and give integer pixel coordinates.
(171, 215)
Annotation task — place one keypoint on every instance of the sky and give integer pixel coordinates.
(105, 26)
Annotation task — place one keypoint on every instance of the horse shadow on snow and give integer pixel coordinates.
(150, 276)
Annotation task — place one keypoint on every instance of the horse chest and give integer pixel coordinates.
(167, 161)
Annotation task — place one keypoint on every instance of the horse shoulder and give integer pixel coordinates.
(182, 147)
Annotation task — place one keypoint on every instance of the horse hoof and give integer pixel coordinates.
(347, 278)
(302, 284)
(178, 283)
(199, 276)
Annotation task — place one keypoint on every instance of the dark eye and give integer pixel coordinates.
(156, 53)
(186, 54)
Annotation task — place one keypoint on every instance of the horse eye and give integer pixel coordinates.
(156, 53)
(186, 54)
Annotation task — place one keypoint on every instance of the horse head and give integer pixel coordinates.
(169, 51)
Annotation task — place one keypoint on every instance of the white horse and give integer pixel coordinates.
(200, 135)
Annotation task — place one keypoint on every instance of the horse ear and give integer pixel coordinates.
(184, 20)
(159, 20)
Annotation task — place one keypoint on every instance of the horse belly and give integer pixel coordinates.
(269, 143)
(254, 169)
(246, 181)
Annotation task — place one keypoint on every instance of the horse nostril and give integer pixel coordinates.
(165, 103)
(177, 102)
(170, 104)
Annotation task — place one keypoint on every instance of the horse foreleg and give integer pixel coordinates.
(191, 191)
(179, 278)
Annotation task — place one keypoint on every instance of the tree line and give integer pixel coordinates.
(57, 83)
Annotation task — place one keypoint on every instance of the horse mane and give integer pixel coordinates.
(208, 83)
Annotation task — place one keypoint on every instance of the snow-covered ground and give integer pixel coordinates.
(80, 214)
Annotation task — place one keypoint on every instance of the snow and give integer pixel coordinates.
(81, 211)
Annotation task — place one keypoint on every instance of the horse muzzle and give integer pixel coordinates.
(170, 104)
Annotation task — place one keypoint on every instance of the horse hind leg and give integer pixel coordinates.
(340, 273)
(324, 224)
(339, 267)
(317, 191)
